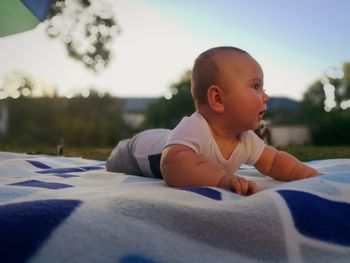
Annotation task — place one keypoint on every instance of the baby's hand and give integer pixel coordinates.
(238, 184)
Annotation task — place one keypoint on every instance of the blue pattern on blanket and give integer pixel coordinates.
(312, 216)
(62, 170)
(205, 191)
(25, 226)
(65, 175)
(48, 185)
(46, 169)
(59, 209)
(38, 164)
(69, 170)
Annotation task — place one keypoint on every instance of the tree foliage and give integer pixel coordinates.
(325, 108)
(92, 121)
(87, 29)
(17, 83)
(166, 113)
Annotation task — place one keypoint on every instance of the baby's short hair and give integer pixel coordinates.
(206, 72)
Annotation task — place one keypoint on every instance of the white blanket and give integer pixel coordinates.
(57, 209)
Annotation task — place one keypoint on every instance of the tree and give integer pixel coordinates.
(92, 121)
(166, 113)
(18, 83)
(86, 27)
(15, 84)
(85, 122)
(326, 107)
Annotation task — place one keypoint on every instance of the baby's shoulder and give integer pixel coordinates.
(192, 124)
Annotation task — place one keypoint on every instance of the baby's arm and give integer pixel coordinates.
(283, 166)
(182, 167)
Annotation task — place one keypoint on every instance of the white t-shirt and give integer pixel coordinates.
(195, 133)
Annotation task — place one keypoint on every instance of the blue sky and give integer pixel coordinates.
(294, 41)
(312, 32)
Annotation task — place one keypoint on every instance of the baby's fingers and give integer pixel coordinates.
(240, 186)
(253, 188)
(244, 187)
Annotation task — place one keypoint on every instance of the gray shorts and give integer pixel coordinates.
(139, 155)
(122, 159)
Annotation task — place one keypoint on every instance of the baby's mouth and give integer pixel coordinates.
(261, 113)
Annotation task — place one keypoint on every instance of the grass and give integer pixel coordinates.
(309, 153)
(84, 152)
(303, 153)
(90, 153)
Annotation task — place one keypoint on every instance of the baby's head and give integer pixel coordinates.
(207, 71)
(227, 83)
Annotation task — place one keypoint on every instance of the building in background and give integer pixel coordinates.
(286, 126)
(284, 135)
(134, 110)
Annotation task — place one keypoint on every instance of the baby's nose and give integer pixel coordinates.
(266, 97)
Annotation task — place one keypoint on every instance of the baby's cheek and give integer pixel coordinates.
(255, 104)
(259, 101)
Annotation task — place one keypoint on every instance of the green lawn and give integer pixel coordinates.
(309, 153)
(303, 153)
(86, 152)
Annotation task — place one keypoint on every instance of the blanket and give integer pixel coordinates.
(59, 209)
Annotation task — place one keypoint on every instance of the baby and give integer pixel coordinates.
(207, 148)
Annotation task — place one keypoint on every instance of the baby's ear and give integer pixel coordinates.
(215, 98)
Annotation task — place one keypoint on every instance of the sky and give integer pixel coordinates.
(295, 42)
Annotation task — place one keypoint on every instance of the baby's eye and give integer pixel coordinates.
(256, 86)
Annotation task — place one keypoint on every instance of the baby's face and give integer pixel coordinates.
(244, 97)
